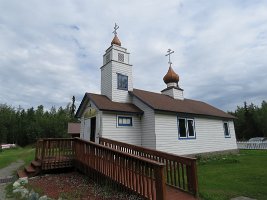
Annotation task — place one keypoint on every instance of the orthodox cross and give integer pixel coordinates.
(169, 52)
(116, 27)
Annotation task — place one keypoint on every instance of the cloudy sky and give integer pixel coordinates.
(51, 50)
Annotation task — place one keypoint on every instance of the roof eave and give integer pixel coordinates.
(119, 111)
(203, 115)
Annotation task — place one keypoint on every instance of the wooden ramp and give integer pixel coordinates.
(174, 194)
(151, 174)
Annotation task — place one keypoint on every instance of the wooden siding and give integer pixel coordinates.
(121, 95)
(116, 50)
(174, 93)
(106, 80)
(84, 123)
(209, 136)
(128, 134)
(147, 125)
(82, 127)
(109, 73)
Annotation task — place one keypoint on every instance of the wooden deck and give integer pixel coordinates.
(175, 194)
(166, 178)
(180, 172)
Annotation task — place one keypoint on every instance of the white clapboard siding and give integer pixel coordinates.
(209, 136)
(121, 95)
(252, 145)
(82, 127)
(174, 93)
(84, 130)
(128, 134)
(116, 50)
(147, 124)
(106, 80)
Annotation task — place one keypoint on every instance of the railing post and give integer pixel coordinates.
(194, 177)
(43, 152)
(36, 149)
(160, 182)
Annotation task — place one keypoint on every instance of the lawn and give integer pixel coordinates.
(8, 156)
(220, 177)
(224, 177)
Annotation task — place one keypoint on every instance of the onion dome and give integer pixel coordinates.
(116, 41)
(171, 76)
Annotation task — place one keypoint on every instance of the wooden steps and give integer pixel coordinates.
(21, 173)
(29, 169)
(36, 163)
(32, 170)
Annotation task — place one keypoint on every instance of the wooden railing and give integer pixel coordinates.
(125, 171)
(55, 153)
(180, 171)
(141, 175)
(38, 149)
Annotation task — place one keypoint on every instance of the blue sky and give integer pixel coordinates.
(52, 50)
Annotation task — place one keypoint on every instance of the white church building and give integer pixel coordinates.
(163, 121)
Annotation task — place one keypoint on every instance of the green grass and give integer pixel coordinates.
(220, 177)
(225, 177)
(7, 156)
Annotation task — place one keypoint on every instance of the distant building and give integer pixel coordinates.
(74, 129)
(163, 121)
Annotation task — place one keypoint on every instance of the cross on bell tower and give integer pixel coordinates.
(169, 52)
(171, 79)
(116, 72)
(116, 27)
(116, 39)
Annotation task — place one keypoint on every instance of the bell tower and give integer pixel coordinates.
(116, 72)
(171, 79)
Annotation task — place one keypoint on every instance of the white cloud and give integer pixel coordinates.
(51, 50)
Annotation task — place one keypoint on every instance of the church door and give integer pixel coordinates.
(93, 126)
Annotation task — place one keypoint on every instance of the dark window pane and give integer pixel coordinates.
(226, 129)
(122, 82)
(190, 125)
(182, 128)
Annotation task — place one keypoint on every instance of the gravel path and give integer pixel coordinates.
(7, 172)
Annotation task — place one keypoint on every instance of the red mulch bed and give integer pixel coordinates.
(74, 185)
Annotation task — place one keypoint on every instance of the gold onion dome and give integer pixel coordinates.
(171, 76)
(116, 41)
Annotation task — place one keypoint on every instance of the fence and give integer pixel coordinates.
(140, 175)
(179, 171)
(252, 145)
(55, 153)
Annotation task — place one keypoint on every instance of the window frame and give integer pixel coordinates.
(187, 129)
(194, 128)
(118, 79)
(228, 129)
(124, 124)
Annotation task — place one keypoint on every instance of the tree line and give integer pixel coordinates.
(25, 126)
(251, 121)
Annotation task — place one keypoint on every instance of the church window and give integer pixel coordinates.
(226, 129)
(124, 121)
(122, 82)
(121, 57)
(186, 128)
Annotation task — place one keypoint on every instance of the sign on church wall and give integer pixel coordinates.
(90, 112)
